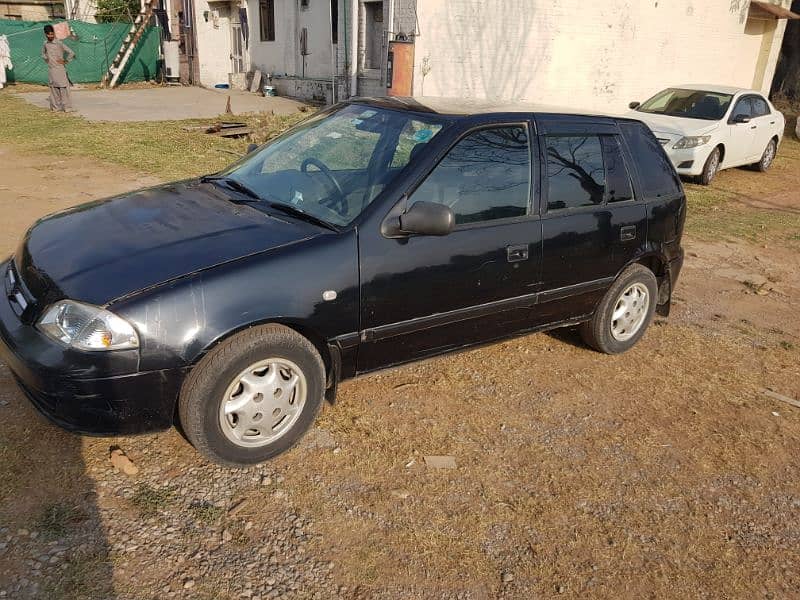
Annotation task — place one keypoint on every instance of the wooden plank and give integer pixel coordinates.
(255, 85)
(780, 397)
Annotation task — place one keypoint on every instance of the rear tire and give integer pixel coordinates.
(767, 157)
(624, 313)
(711, 168)
(253, 396)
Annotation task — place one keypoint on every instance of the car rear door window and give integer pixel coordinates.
(760, 106)
(618, 180)
(575, 172)
(657, 176)
(484, 177)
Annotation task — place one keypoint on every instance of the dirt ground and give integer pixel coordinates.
(662, 473)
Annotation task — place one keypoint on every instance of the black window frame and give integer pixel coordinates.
(534, 174)
(266, 29)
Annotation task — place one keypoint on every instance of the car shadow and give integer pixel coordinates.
(52, 540)
(568, 335)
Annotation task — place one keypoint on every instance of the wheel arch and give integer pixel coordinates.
(659, 266)
(313, 336)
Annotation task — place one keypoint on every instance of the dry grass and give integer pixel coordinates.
(161, 148)
(575, 470)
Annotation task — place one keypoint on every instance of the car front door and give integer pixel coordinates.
(592, 224)
(741, 135)
(423, 295)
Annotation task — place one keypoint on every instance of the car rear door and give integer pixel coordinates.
(592, 223)
(422, 295)
(764, 122)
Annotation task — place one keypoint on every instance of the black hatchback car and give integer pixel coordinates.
(377, 232)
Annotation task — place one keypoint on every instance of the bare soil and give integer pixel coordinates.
(665, 472)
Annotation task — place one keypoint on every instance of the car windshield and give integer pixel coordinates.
(333, 165)
(694, 104)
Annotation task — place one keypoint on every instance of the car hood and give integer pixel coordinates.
(678, 126)
(105, 250)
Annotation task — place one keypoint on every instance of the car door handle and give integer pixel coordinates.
(754, 127)
(628, 233)
(517, 253)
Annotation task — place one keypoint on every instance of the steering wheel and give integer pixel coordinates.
(341, 199)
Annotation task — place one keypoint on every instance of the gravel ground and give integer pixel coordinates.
(661, 473)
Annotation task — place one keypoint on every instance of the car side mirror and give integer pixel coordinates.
(634, 105)
(251, 148)
(740, 118)
(427, 218)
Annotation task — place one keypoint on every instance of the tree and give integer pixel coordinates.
(787, 73)
(116, 11)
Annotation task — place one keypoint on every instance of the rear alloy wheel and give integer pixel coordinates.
(624, 313)
(711, 167)
(253, 396)
(767, 157)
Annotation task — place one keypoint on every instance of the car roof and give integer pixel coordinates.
(459, 107)
(721, 89)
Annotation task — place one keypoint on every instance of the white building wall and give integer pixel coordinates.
(282, 57)
(597, 55)
(214, 40)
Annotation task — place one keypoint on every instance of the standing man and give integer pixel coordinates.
(54, 52)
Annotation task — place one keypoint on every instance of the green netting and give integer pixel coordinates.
(95, 48)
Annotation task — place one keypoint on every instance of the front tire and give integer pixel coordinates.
(624, 313)
(711, 168)
(253, 396)
(767, 157)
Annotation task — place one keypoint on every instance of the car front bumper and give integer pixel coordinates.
(689, 161)
(97, 393)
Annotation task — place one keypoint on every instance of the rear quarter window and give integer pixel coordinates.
(657, 176)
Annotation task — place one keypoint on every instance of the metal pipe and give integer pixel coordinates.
(333, 51)
(354, 48)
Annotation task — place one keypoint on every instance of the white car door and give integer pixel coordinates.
(765, 123)
(742, 133)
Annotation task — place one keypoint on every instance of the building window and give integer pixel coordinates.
(266, 17)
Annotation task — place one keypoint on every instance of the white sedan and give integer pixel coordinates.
(705, 128)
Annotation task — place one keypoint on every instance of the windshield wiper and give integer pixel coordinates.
(233, 183)
(301, 214)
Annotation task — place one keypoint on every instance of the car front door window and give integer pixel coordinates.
(484, 177)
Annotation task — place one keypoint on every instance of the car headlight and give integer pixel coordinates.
(87, 327)
(691, 141)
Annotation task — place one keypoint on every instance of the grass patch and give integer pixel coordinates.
(57, 519)
(149, 500)
(160, 148)
(737, 204)
(206, 513)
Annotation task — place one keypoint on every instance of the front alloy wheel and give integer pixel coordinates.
(768, 156)
(253, 396)
(711, 167)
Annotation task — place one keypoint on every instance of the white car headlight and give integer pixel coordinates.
(691, 141)
(87, 327)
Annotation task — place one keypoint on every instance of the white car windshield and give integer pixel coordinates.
(693, 104)
(333, 165)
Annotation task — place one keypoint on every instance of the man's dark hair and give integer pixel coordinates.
(48, 29)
